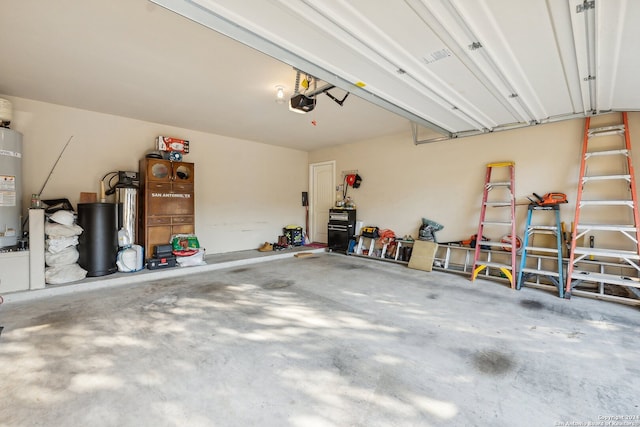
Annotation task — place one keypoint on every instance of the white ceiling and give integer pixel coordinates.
(459, 67)
(135, 59)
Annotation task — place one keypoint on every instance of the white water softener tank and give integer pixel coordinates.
(10, 186)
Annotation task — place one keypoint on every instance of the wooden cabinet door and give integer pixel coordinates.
(169, 203)
(157, 235)
(158, 170)
(183, 172)
(183, 229)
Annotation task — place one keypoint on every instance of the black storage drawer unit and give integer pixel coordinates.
(341, 229)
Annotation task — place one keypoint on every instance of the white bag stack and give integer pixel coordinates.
(61, 254)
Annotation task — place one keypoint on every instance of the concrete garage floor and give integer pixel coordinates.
(324, 341)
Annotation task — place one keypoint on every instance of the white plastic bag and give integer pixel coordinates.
(64, 274)
(57, 244)
(53, 229)
(64, 257)
(191, 260)
(130, 259)
(63, 217)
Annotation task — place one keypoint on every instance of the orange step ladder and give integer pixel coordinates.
(607, 195)
(482, 258)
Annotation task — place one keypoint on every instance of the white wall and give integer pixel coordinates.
(245, 191)
(403, 182)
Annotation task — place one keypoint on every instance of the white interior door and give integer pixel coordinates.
(322, 194)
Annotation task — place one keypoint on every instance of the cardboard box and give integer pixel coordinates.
(167, 143)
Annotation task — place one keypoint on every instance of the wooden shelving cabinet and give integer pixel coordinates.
(166, 201)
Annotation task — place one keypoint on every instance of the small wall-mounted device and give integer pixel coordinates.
(305, 198)
(128, 178)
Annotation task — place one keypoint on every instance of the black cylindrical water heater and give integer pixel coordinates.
(98, 243)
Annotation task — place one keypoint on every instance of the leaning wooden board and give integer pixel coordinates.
(422, 255)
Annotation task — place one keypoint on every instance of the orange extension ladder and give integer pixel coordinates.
(482, 259)
(608, 194)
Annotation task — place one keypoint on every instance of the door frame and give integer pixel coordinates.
(312, 195)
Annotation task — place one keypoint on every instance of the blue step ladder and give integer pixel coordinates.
(555, 276)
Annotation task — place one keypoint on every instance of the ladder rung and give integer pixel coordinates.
(612, 253)
(605, 177)
(606, 227)
(606, 130)
(549, 208)
(552, 228)
(496, 244)
(543, 272)
(499, 184)
(495, 223)
(622, 151)
(606, 203)
(498, 203)
(542, 249)
(493, 265)
(606, 278)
